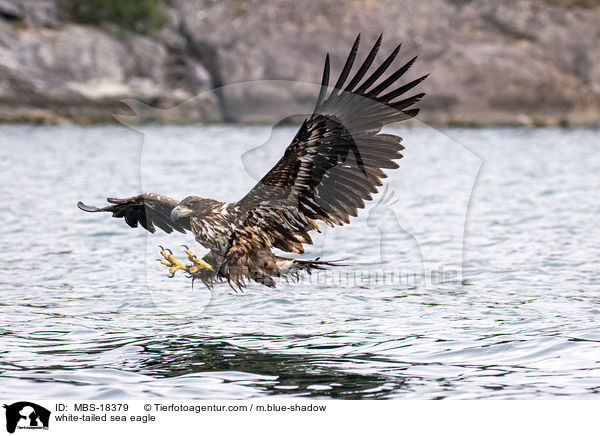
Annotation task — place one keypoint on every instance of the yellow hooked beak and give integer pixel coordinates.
(180, 212)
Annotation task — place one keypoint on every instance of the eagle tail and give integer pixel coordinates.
(291, 268)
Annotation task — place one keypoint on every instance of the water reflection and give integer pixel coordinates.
(271, 373)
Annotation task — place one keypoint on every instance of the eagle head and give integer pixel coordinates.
(193, 205)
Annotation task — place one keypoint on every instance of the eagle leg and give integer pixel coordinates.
(197, 263)
(170, 261)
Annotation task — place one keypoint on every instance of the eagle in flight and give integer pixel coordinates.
(334, 163)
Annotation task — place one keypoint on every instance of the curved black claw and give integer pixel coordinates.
(165, 249)
(171, 275)
(186, 247)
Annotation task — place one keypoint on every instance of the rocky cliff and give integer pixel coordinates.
(512, 62)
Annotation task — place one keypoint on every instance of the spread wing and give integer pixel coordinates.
(335, 161)
(149, 210)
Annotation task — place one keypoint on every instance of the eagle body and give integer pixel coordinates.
(333, 165)
(210, 223)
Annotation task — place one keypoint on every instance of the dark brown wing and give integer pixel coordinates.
(149, 210)
(335, 161)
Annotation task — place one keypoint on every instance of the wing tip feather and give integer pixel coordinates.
(86, 208)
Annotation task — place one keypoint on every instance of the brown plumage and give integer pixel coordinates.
(333, 165)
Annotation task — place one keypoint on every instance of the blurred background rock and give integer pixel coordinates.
(510, 62)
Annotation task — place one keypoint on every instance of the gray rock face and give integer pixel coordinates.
(518, 62)
(72, 72)
(490, 62)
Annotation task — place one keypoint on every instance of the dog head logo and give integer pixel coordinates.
(24, 414)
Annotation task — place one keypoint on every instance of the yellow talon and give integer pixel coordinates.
(175, 265)
(198, 263)
(172, 262)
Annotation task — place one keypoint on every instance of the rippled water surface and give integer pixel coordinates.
(87, 313)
